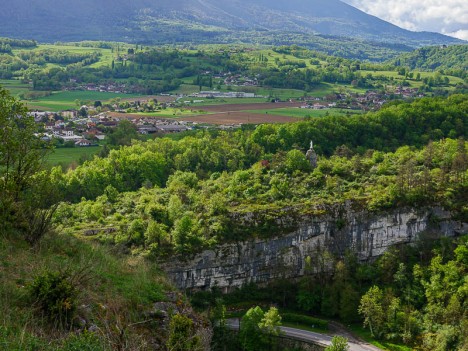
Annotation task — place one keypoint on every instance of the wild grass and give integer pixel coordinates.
(114, 293)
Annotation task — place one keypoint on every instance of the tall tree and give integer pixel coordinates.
(371, 309)
(24, 198)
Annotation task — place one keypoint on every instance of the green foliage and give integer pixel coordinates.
(182, 336)
(450, 60)
(339, 343)
(86, 341)
(110, 294)
(123, 134)
(55, 295)
(250, 332)
(311, 322)
(271, 322)
(193, 211)
(372, 311)
(26, 197)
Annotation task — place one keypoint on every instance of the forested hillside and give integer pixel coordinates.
(411, 298)
(449, 60)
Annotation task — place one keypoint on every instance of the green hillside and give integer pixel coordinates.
(451, 60)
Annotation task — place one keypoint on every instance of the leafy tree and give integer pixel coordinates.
(270, 326)
(123, 134)
(296, 161)
(339, 343)
(372, 311)
(258, 329)
(24, 190)
(250, 333)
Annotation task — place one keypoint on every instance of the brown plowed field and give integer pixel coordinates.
(244, 107)
(239, 118)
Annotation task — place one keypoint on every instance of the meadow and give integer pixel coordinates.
(68, 156)
(65, 100)
(15, 87)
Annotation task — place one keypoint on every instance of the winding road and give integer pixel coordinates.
(316, 338)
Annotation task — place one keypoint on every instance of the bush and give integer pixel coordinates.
(305, 320)
(86, 341)
(56, 297)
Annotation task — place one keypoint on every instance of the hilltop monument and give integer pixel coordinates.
(311, 155)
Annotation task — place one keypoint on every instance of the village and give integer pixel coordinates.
(89, 124)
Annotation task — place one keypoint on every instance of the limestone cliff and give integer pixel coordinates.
(283, 256)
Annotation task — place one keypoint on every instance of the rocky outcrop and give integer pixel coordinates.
(284, 256)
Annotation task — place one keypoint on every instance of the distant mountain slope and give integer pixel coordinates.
(436, 58)
(195, 20)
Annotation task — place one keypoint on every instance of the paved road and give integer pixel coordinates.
(316, 338)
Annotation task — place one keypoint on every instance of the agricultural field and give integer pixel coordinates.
(65, 100)
(106, 58)
(15, 87)
(304, 112)
(239, 117)
(165, 113)
(249, 106)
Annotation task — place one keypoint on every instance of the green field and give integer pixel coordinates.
(67, 156)
(14, 86)
(105, 59)
(412, 82)
(65, 100)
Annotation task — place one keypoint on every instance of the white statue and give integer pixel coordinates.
(311, 155)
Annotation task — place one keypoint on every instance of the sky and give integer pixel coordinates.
(444, 16)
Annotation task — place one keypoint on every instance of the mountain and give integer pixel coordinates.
(171, 21)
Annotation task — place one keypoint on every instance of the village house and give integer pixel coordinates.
(83, 142)
(68, 132)
(172, 128)
(70, 114)
(49, 125)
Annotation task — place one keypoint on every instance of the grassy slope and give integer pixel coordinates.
(114, 292)
(14, 86)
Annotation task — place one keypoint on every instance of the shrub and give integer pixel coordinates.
(56, 297)
(305, 320)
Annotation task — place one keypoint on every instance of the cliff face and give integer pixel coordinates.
(263, 260)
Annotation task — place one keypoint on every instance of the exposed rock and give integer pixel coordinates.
(263, 260)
